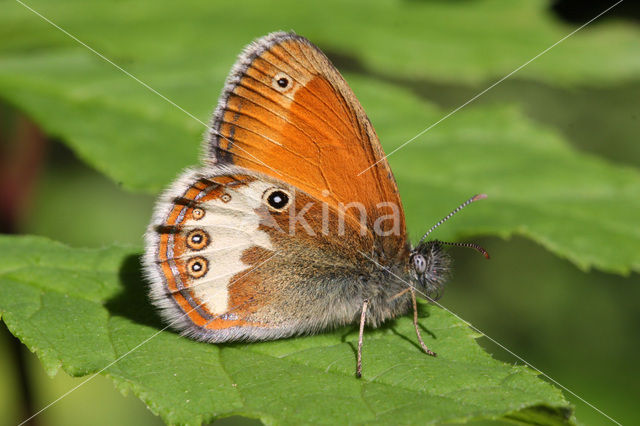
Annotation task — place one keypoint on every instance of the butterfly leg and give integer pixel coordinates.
(363, 317)
(415, 324)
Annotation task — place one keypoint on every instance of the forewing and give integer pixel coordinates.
(288, 113)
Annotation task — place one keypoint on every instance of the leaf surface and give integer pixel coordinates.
(468, 41)
(86, 311)
(576, 205)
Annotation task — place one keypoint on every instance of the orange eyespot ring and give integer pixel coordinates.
(197, 239)
(197, 213)
(225, 198)
(197, 267)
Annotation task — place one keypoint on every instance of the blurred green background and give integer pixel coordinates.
(581, 328)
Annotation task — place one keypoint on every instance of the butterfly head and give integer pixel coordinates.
(429, 265)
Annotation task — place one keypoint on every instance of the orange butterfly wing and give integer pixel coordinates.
(222, 265)
(288, 113)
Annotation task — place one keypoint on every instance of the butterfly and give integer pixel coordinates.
(293, 223)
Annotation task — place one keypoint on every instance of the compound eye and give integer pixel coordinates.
(419, 263)
(277, 199)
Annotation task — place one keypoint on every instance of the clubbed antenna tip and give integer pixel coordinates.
(476, 247)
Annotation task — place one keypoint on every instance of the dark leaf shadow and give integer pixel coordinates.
(133, 302)
(347, 332)
(423, 312)
(413, 339)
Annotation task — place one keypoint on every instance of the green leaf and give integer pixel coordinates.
(86, 311)
(454, 41)
(577, 206)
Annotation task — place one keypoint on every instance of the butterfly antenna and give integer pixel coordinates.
(476, 247)
(447, 217)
